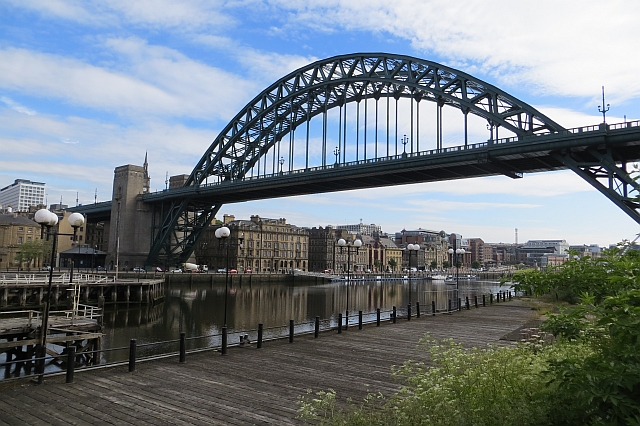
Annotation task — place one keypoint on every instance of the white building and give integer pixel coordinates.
(559, 246)
(362, 229)
(22, 194)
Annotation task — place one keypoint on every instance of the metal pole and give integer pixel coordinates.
(226, 295)
(47, 307)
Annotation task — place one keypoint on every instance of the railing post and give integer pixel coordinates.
(417, 309)
(497, 297)
(132, 355)
(340, 323)
(475, 301)
(433, 308)
(377, 317)
(71, 363)
(449, 310)
(290, 331)
(260, 331)
(183, 346)
(346, 320)
(409, 312)
(224, 340)
(484, 300)
(491, 298)
(42, 354)
(467, 302)
(359, 320)
(316, 331)
(395, 314)
(509, 295)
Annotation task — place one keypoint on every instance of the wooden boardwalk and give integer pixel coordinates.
(251, 386)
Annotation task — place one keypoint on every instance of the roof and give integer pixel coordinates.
(16, 220)
(83, 250)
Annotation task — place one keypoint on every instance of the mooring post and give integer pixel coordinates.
(409, 312)
(449, 310)
(417, 309)
(475, 301)
(459, 304)
(395, 314)
(224, 340)
(491, 298)
(132, 355)
(509, 295)
(71, 363)
(183, 346)
(340, 323)
(433, 308)
(484, 300)
(467, 301)
(377, 317)
(260, 330)
(290, 331)
(359, 320)
(317, 328)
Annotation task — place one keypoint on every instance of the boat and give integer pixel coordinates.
(437, 277)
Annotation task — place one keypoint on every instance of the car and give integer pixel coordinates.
(138, 269)
(233, 271)
(248, 271)
(46, 268)
(222, 270)
(159, 269)
(101, 268)
(176, 271)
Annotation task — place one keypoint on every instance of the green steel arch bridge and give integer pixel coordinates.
(355, 121)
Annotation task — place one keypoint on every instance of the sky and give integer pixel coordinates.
(89, 86)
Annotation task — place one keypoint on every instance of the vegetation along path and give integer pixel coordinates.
(251, 386)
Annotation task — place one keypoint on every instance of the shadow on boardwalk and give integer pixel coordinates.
(250, 386)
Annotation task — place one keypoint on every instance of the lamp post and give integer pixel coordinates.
(47, 220)
(356, 244)
(281, 163)
(222, 234)
(454, 252)
(405, 141)
(336, 152)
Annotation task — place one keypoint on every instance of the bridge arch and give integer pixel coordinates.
(330, 83)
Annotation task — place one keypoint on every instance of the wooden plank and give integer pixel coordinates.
(250, 386)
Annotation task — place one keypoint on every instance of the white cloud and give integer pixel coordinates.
(549, 45)
(16, 106)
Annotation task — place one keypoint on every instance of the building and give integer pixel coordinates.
(592, 250)
(322, 248)
(433, 245)
(14, 231)
(21, 195)
(260, 245)
(348, 259)
(476, 250)
(362, 229)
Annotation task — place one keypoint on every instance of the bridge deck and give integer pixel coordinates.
(251, 386)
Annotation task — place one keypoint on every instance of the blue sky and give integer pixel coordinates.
(89, 86)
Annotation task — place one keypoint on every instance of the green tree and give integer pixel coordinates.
(29, 252)
(446, 264)
(475, 264)
(433, 265)
(392, 264)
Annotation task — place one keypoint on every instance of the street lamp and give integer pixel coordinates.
(405, 141)
(281, 163)
(336, 152)
(356, 244)
(456, 251)
(47, 220)
(222, 234)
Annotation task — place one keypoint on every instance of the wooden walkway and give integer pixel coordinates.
(251, 386)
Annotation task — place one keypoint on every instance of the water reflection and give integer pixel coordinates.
(198, 309)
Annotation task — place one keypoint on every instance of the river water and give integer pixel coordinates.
(198, 309)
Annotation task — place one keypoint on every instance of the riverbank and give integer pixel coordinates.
(251, 386)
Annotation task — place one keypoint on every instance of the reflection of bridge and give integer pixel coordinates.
(281, 143)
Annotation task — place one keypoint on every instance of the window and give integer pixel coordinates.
(20, 229)
(19, 240)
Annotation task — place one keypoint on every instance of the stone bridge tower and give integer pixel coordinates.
(130, 230)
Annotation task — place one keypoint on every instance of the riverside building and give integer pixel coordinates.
(21, 195)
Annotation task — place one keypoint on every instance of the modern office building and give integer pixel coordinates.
(21, 195)
(362, 229)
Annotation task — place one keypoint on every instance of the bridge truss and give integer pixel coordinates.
(256, 141)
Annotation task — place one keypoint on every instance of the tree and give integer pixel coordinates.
(446, 264)
(392, 264)
(433, 265)
(29, 252)
(377, 264)
(475, 264)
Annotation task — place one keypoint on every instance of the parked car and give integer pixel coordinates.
(46, 268)
(248, 271)
(138, 269)
(101, 268)
(176, 271)
(222, 270)
(233, 271)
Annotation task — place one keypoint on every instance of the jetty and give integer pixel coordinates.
(250, 385)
